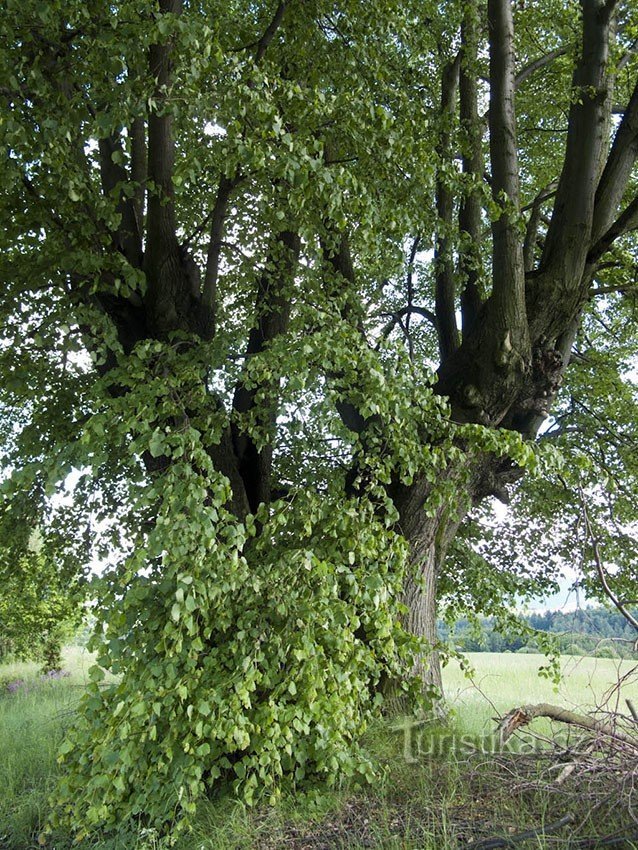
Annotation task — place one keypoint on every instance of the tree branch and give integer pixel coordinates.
(508, 271)
(470, 209)
(139, 167)
(525, 714)
(267, 37)
(617, 169)
(570, 229)
(171, 290)
(599, 565)
(537, 64)
(535, 219)
(448, 334)
(397, 315)
(128, 237)
(626, 222)
(272, 312)
(409, 285)
(209, 292)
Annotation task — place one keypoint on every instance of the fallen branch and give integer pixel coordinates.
(524, 715)
(512, 840)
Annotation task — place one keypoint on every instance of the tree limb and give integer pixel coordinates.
(470, 209)
(508, 271)
(218, 215)
(524, 715)
(269, 34)
(535, 219)
(599, 565)
(618, 167)
(409, 286)
(537, 64)
(272, 312)
(511, 840)
(128, 237)
(139, 168)
(448, 334)
(397, 315)
(570, 230)
(627, 221)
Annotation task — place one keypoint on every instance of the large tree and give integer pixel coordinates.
(328, 261)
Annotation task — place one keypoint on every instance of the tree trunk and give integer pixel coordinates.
(429, 537)
(419, 597)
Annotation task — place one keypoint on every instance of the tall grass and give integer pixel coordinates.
(33, 718)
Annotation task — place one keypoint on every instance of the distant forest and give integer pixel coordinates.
(587, 631)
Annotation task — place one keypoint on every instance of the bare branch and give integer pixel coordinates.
(510, 840)
(537, 64)
(397, 315)
(599, 565)
(524, 715)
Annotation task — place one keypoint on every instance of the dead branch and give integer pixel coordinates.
(524, 715)
(512, 840)
(599, 565)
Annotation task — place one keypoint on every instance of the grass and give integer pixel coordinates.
(435, 802)
(503, 681)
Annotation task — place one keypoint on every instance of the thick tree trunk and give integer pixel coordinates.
(429, 537)
(419, 597)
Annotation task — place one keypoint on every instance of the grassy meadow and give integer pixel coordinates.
(435, 801)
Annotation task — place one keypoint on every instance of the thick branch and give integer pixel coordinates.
(617, 170)
(267, 37)
(139, 168)
(535, 219)
(128, 238)
(570, 229)
(173, 286)
(626, 222)
(448, 333)
(272, 311)
(470, 209)
(209, 293)
(537, 64)
(507, 273)
(525, 714)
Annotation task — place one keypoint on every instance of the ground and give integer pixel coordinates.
(454, 788)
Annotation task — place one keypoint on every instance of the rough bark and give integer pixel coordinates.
(444, 297)
(429, 537)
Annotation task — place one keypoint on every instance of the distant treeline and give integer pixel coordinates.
(586, 631)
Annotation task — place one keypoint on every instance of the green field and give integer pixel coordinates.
(503, 681)
(426, 805)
